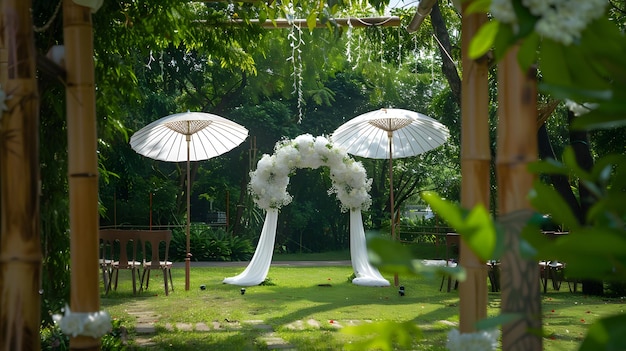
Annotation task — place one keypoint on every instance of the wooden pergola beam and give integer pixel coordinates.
(391, 21)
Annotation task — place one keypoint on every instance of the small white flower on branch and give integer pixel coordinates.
(95, 325)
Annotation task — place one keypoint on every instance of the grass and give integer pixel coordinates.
(298, 295)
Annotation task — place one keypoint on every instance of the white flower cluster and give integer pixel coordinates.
(268, 183)
(486, 340)
(559, 20)
(95, 324)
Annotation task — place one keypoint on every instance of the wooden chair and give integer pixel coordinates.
(154, 258)
(123, 242)
(453, 243)
(107, 240)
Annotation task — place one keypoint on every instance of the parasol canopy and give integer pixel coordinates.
(411, 133)
(188, 136)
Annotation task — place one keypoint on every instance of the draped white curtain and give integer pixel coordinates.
(366, 274)
(259, 266)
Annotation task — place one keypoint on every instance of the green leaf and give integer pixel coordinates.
(262, 16)
(598, 120)
(391, 256)
(606, 334)
(482, 238)
(311, 20)
(552, 63)
(570, 161)
(476, 227)
(394, 257)
(526, 20)
(549, 166)
(478, 6)
(503, 41)
(452, 214)
(547, 200)
(494, 322)
(564, 90)
(593, 253)
(527, 54)
(483, 40)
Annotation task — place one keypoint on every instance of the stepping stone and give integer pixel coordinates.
(144, 342)
(202, 327)
(184, 326)
(313, 323)
(297, 325)
(145, 328)
(275, 342)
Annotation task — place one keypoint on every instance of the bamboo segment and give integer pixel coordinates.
(82, 165)
(475, 163)
(517, 146)
(20, 250)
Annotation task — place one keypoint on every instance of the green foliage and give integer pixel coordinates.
(607, 334)
(603, 257)
(210, 244)
(52, 339)
(588, 70)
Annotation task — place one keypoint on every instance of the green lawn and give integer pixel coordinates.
(306, 305)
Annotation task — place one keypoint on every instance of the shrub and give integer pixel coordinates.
(52, 339)
(211, 244)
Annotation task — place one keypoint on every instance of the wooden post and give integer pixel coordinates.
(20, 247)
(82, 165)
(475, 163)
(517, 146)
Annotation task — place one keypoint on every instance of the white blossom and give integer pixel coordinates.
(268, 183)
(560, 20)
(94, 324)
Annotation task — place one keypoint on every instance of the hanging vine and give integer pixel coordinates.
(296, 43)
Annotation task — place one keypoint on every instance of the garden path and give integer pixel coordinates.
(145, 328)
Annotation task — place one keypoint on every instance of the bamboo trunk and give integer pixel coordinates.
(475, 163)
(82, 165)
(517, 146)
(20, 250)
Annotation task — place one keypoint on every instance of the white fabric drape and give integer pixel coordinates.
(366, 275)
(258, 267)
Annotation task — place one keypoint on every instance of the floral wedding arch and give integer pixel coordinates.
(268, 185)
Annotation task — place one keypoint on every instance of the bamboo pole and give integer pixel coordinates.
(20, 250)
(82, 165)
(475, 163)
(517, 146)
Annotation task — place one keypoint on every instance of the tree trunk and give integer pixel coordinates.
(475, 168)
(580, 143)
(517, 146)
(20, 250)
(82, 166)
